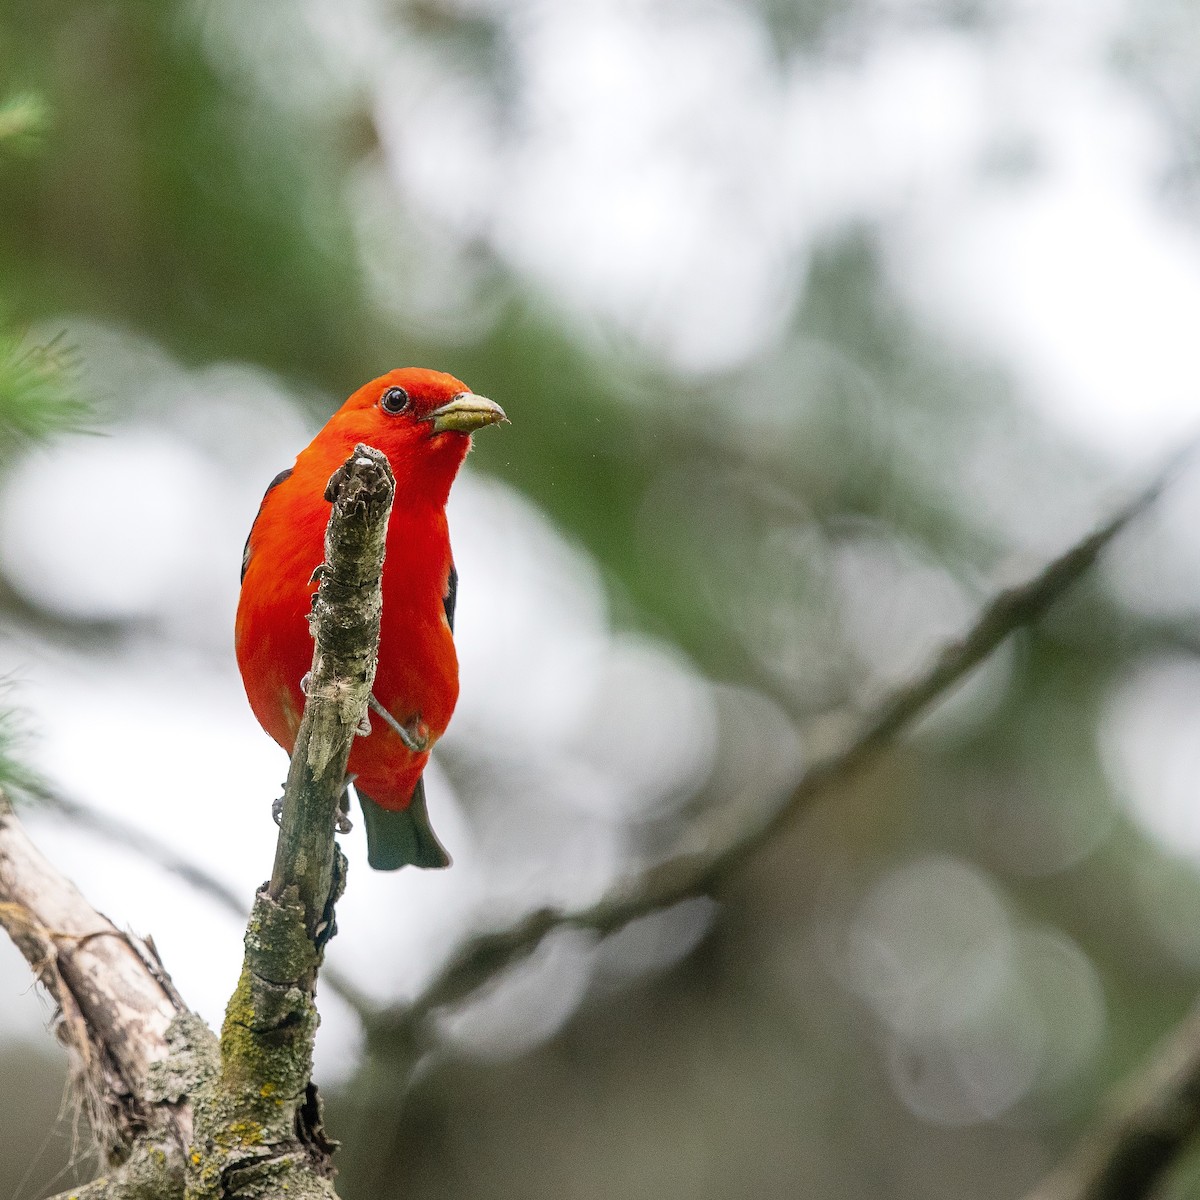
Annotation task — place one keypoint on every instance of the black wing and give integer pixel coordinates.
(270, 487)
(450, 599)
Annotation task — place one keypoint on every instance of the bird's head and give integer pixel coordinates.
(422, 420)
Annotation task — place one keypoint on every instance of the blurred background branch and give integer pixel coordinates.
(1148, 1124)
(689, 875)
(23, 121)
(1122, 1158)
(117, 832)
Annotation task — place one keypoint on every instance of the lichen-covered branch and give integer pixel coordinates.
(153, 1171)
(345, 622)
(265, 1107)
(484, 956)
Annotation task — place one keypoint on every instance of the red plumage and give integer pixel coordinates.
(425, 442)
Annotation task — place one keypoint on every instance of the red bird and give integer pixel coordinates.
(423, 421)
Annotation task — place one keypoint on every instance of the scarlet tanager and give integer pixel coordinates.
(422, 421)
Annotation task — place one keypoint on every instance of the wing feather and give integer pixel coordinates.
(450, 599)
(285, 474)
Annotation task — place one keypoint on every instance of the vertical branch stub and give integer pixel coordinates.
(259, 1127)
(345, 625)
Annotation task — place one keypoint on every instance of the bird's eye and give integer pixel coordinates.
(394, 400)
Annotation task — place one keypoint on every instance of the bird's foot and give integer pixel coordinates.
(305, 680)
(341, 818)
(414, 733)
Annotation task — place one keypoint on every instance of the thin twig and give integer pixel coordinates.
(482, 957)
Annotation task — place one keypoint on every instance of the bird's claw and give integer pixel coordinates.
(414, 734)
(341, 817)
(305, 680)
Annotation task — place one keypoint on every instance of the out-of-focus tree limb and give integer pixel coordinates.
(131, 837)
(484, 956)
(23, 121)
(1150, 1122)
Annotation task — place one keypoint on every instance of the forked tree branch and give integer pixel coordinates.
(183, 1116)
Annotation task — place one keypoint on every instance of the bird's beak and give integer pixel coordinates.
(466, 413)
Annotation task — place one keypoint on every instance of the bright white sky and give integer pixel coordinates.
(663, 177)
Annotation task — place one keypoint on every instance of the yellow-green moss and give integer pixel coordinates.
(266, 1042)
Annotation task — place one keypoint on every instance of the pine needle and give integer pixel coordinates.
(37, 391)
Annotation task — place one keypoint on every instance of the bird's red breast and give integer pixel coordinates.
(422, 421)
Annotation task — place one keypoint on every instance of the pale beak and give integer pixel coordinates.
(466, 413)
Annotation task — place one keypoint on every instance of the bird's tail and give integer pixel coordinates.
(400, 838)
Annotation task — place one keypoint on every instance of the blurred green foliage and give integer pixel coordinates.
(23, 121)
(36, 400)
